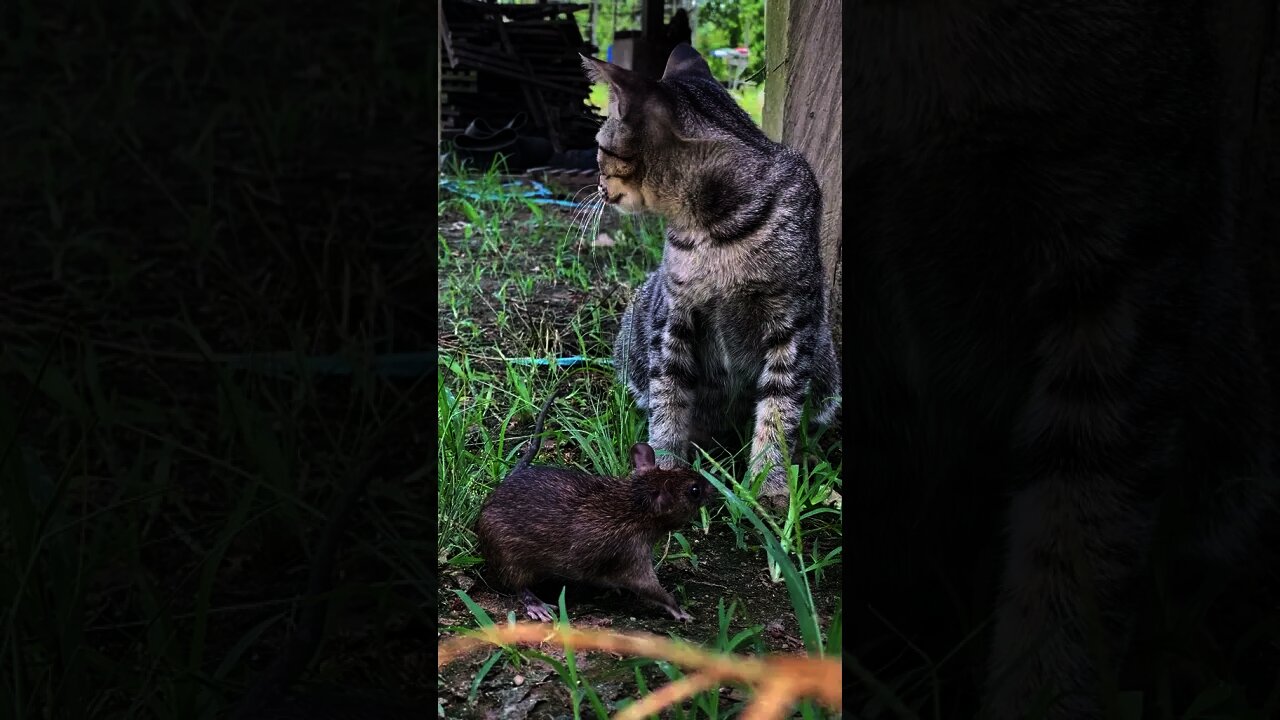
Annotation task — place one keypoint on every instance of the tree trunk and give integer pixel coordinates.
(803, 106)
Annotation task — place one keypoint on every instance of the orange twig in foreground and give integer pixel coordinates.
(778, 680)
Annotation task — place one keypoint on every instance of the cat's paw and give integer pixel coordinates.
(774, 495)
(777, 504)
(670, 461)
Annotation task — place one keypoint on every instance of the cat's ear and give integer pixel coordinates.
(627, 88)
(642, 457)
(597, 70)
(686, 62)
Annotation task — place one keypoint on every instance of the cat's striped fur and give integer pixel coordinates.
(734, 322)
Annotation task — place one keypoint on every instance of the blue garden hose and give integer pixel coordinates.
(561, 362)
(534, 192)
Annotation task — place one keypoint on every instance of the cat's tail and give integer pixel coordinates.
(824, 386)
(631, 348)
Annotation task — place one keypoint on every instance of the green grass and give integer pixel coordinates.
(751, 98)
(599, 98)
(518, 281)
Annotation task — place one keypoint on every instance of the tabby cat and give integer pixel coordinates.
(733, 323)
(1064, 422)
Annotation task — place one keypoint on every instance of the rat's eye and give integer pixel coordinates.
(695, 491)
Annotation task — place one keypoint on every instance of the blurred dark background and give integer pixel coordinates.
(214, 324)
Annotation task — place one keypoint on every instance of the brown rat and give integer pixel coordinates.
(544, 522)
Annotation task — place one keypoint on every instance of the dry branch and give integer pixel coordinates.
(778, 680)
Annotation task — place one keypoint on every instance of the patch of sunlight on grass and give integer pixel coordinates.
(599, 97)
(751, 99)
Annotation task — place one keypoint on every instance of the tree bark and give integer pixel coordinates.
(803, 108)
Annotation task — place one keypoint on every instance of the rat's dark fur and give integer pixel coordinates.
(549, 522)
(1062, 407)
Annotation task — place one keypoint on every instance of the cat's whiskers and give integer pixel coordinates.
(591, 208)
(579, 210)
(584, 188)
(590, 219)
(599, 213)
(581, 221)
(584, 203)
(580, 216)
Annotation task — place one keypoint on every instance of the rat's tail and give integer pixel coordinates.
(536, 441)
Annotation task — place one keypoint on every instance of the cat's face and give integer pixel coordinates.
(621, 153)
(644, 144)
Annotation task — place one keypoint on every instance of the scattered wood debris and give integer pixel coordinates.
(500, 60)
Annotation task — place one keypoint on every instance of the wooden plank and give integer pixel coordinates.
(485, 63)
(776, 67)
(570, 180)
(531, 53)
(540, 10)
(445, 37)
(525, 90)
(439, 99)
(486, 58)
(524, 13)
(533, 94)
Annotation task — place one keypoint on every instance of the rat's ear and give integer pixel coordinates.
(627, 88)
(642, 458)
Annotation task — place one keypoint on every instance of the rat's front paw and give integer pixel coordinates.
(539, 612)
(535, 608)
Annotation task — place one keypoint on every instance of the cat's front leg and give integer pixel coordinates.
(671, 387)
(780, 391)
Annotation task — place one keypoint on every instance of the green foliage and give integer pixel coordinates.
(716, 24)
(730, 23)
